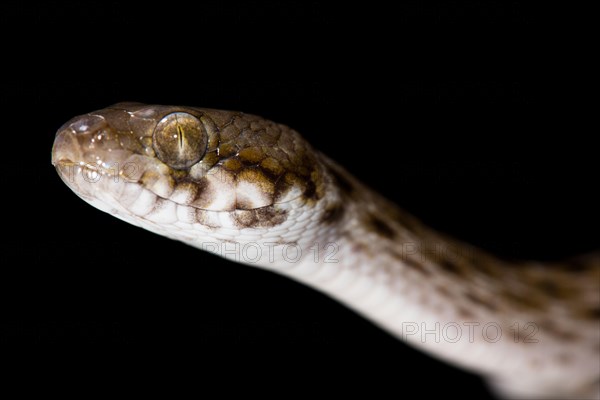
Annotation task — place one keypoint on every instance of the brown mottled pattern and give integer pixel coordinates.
(380, 227)
(263, 217)
(341, 181)
(520, 286)
(247, 168)
(239, 148)
(473, 298)
(333, 213)
(274, 159)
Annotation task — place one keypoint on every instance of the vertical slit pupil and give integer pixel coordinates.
(180, 136)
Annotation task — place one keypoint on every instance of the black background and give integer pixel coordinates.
(471, 115)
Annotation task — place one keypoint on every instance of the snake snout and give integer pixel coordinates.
(64, 150)
(70, 137)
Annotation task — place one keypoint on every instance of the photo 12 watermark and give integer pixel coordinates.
(453, 332)
(255, 252)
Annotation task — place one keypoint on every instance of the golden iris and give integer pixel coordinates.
(179, 140)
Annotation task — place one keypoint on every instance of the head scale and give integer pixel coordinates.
(146, 164)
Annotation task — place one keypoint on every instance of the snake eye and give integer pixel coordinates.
(180, 140)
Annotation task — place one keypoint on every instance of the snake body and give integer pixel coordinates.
(256, 192)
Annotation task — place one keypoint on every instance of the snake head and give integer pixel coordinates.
(226, 168)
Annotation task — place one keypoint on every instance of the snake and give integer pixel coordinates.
(257, 193)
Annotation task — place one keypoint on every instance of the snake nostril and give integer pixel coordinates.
(87, 123)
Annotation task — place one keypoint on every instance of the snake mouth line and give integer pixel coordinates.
(92, 173)
(63, 162)
(69, 163)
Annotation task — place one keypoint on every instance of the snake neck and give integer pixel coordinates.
(389, 267)
(354, 228)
